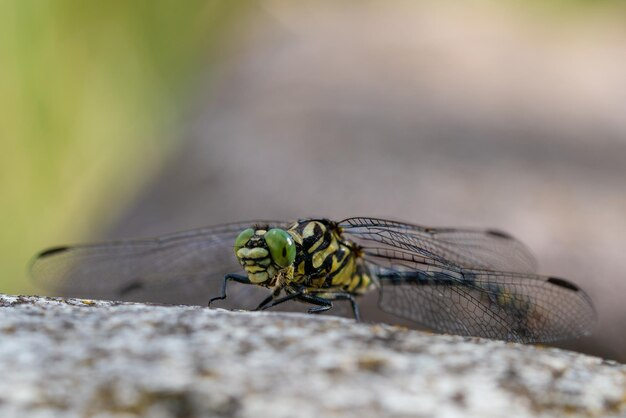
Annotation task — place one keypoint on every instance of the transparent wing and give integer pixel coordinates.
(520, 307)
(184, 267)
(478, 249)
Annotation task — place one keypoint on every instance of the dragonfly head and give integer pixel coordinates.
(263, 253)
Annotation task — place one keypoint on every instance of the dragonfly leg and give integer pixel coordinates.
(229, 277)
(326, 303)
(323, 304)
(268, 299)
(264, 302)
(355, 306)
(273, 302)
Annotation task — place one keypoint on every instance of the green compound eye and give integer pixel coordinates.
(281, 246)
(243, 238)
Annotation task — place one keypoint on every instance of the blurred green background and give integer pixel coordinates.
(92, 98)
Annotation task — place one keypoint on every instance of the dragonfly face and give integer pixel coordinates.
(264, 253)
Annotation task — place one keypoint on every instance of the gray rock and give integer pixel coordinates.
(81, 358)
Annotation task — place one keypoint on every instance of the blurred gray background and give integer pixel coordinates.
(430, 112)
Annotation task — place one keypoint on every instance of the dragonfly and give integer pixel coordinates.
(470, 282)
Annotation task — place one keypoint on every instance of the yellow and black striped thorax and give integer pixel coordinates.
(324, 260)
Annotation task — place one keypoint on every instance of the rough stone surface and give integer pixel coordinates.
(81, 358)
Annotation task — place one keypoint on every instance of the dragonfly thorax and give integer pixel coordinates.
(325, 260)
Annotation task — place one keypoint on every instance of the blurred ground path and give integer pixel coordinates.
(423, 112)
